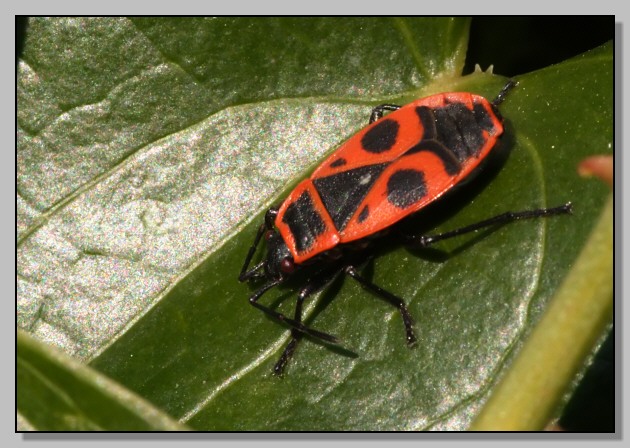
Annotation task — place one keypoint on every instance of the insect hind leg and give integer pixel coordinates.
(499, 220)
(504, 91)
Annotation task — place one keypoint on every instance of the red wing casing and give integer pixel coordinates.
(387, 171)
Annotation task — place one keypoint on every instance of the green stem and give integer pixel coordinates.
(533, 388)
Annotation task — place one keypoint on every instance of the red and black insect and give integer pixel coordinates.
(391, 169)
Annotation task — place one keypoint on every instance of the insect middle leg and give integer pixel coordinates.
(377, 112)
(388, 296)
(319, 282)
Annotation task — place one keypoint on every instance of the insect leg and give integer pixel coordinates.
(255, 271)
(287, 354)
(377, 112)
(311, 287)
(499, 220)
(504, 91)
(299, 326)
(391, 298)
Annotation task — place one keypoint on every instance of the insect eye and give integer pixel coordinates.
(287, 266)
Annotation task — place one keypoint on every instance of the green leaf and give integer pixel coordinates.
(57, 393)
(148, 152)
(574, 320)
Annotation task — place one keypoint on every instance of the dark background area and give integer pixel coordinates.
(518, 45)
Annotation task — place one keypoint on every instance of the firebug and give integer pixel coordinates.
(394, 167)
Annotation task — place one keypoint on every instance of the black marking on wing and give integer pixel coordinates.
(406, 187)
(304, 222)
(458, 130)
(428, 122)
(342, 193)
(339, 162)
(483, 117)
(365, 213)
(453, 133)
(451, 164)
(381, 137)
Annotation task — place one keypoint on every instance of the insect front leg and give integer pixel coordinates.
(255, 272)
(299, 326)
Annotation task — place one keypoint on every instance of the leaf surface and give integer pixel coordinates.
(145, 168)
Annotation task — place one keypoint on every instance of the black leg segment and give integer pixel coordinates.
(377, 112)
(388, 296)
(504, 91)
(287, 354)
(320, 281)
(256, 271)
(299, 326)
(499, 220)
